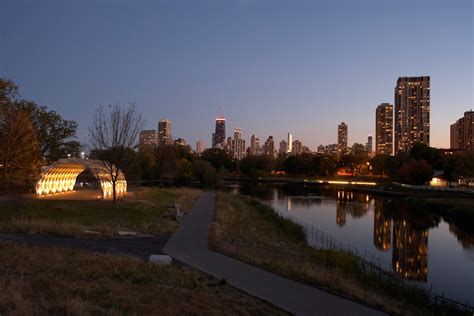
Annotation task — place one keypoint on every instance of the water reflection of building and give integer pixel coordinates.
(382, 227)
(288, 204)
(357, 205)
(341, 213)
(410, 251)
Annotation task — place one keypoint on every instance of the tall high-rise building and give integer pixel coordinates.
(297, 147)
(148, 139)
(454, 137)
(254, 145)
(164, 132)
(384, 129)
(238, 145)
(199, 147)
(283, 147)
(412, 112)
(218, 140)
(269, 147)
(228, 144)
(342, 138)
(369, 144)
(289, 141)
(462, 132)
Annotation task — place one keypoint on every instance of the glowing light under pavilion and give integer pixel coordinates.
(60, 177)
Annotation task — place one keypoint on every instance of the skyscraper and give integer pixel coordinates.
(342, 138)
(218, 140)
(254, 145)
(164, 132)
(283, 147)
(297, 148)
(369, 145)
(148, 139)
(412, 112)
(462, 132)
(269, 147)
(199, 147)
(384, 129)
(238, 145)
(290, 143)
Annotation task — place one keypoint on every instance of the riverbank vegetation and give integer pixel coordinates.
(146, 210)
(252, 232)
(55, 281)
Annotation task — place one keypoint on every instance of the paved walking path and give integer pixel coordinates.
(189, 245)
(141, 247)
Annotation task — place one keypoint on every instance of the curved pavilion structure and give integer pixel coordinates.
(61, 176)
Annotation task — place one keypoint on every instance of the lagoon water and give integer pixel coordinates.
(424, 249)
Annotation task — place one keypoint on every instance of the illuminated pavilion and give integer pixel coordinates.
(61, 176)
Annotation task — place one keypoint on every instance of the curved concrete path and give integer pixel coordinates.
(189, 245)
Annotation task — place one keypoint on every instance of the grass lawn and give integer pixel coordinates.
(146, 210)
(252, 232)
(55, 281)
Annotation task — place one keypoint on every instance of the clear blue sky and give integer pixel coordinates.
(273, 66)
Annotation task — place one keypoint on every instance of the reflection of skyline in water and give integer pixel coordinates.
(357, 205)
(410, 246)
(348, 203)
(396, 238)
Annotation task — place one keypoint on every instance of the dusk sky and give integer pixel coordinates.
(272, 66)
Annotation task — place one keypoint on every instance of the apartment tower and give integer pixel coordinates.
(342, 138)
(384, 129)
(164, 132)
(412, 112)
(462, 132)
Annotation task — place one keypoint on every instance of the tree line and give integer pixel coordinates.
(32, 136)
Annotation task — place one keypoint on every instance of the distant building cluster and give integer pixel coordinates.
(397, 128)
(151, 139)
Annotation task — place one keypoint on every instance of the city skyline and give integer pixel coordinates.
(290, 80)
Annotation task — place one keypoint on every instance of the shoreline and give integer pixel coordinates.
(376, 186)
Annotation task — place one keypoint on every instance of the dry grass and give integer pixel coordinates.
(147, 211)
(243, 228)
(54, 281)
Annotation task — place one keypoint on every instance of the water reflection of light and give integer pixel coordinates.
(382, 227)
(341, 214)
(288, 204)
(410, 251)
(396, 240)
